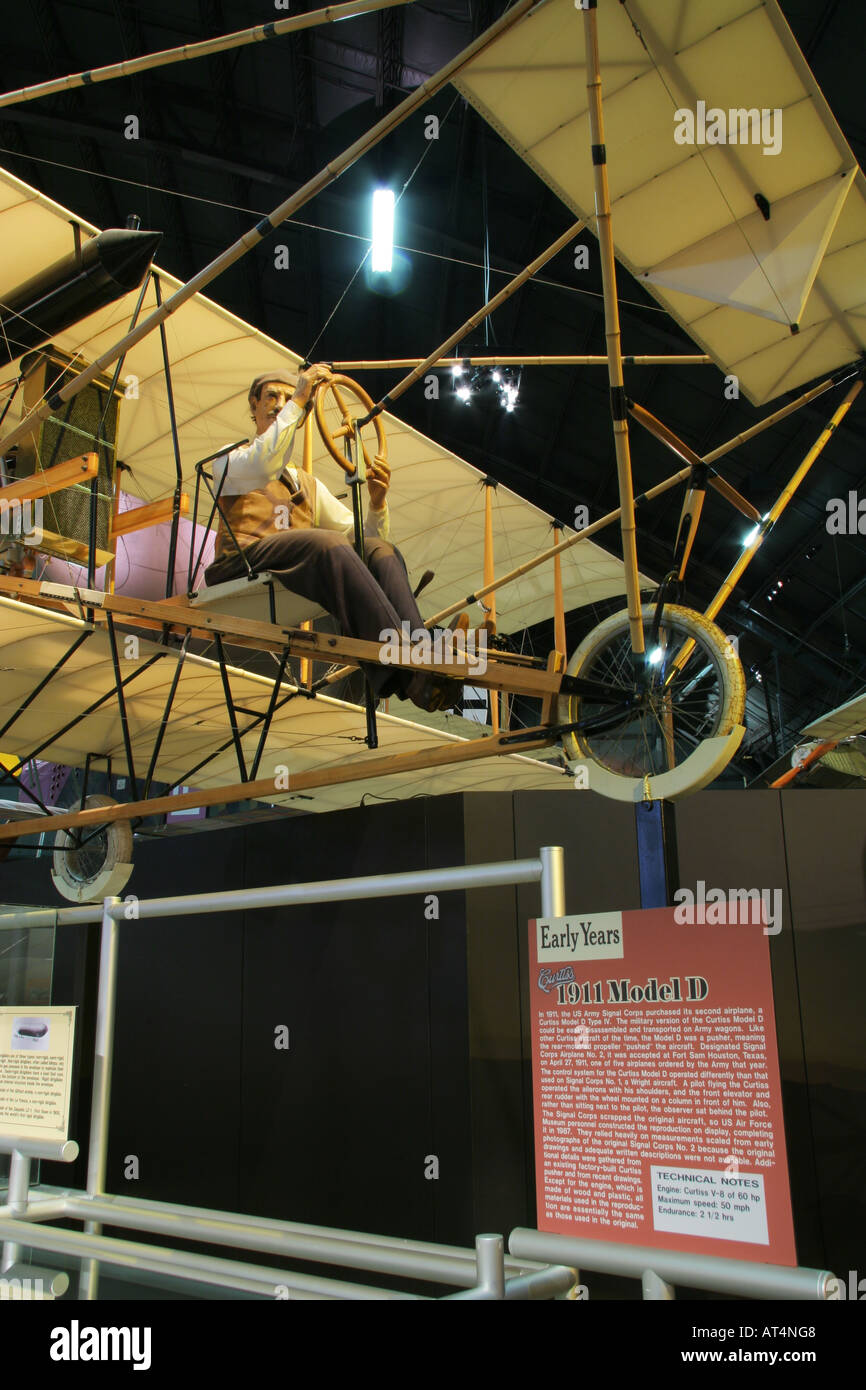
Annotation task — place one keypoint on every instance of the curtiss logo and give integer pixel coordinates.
(549, 979)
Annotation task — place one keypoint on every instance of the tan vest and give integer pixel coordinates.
(265, 512)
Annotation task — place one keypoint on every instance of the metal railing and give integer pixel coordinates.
(659, 1270)
(539, 1265)
(481, 1273)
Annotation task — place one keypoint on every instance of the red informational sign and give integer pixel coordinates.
(658, 1109)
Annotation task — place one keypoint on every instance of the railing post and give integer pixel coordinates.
(18, 1197)
(552, 881)
(100, 1106)
(655, 1288)
(490, 1265)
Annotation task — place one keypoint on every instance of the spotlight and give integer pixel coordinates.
(480, 380)
(383, 229)
(507, 389)
(655, 656)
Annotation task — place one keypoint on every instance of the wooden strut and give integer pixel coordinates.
(268, 788)
(673, 442)
(769, 420)
(173, 616)
(741, 564)
(559, 549)
(619, 413)
(489, 576)
(306, 673)
(484, 312)
(330, 15)
(558, 600)
(152, 514)
(45, 481)
(671, 359)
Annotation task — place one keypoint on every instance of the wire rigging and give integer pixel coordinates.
(429, 145)
(331, 231)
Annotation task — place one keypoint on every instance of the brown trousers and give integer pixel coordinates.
(324, 567)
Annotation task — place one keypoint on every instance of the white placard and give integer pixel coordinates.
(36, 1071)
(595, 936)
(709, 1202)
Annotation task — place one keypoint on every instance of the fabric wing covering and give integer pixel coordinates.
(437, 505)
(685, 218)
(843, 722)
(305, 734)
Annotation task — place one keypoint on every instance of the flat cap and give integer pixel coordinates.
(284, 375)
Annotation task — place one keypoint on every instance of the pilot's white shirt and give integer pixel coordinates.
(253, 466)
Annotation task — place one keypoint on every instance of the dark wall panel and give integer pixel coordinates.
(825, 834)
(495, 1042)
(176, 1074)
(450, 1118)
(336, 1130)
(175, 1096)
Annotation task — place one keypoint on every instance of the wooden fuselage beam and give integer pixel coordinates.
(175, 616)
(178, 617)
(54, 479)
(286, 783)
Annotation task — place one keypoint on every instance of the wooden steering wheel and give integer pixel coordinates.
(334, 433)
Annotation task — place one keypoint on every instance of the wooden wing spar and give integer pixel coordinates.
(312, 741)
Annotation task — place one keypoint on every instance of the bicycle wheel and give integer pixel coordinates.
(682, 706)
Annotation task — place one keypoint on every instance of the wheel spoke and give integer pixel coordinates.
(681, 706)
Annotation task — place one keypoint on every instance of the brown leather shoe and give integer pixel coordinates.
(433, 692)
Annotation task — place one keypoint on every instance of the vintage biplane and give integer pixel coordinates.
(758, 252)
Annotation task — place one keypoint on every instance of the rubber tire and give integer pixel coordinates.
(109, 877)
(731, 677)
